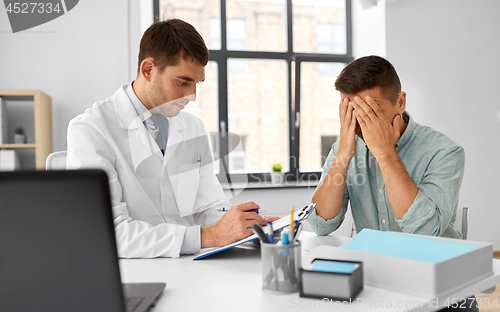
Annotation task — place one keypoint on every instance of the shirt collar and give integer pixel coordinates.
(141, 110)
(407, 134)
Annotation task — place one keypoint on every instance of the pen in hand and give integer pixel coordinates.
(224, 209)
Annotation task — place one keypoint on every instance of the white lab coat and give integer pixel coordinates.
(154, 197)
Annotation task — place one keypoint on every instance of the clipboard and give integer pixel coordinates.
(299, 215)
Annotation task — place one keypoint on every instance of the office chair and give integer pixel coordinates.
(465, 229)
(56, 160)
(465, 222)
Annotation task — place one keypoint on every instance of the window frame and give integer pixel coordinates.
(292, 58)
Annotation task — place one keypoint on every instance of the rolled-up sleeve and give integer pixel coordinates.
(324, 227)
(319, 225)
(435, 205)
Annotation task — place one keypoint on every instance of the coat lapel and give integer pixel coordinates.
(144, 151)
(175, 136)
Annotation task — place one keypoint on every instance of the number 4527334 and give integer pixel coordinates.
(33, 8)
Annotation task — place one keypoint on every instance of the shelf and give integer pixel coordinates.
(42, 106)
(15, 146)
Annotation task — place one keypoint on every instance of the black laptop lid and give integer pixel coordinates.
(57, 243)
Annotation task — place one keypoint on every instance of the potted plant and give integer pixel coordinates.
(276, 174)
(19, 136)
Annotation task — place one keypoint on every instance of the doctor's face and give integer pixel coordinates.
(173, 88)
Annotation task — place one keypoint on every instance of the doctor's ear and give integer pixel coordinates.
(146, 69)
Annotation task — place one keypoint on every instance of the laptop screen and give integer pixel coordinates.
(57, 242)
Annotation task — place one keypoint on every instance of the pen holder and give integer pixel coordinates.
(281, 267)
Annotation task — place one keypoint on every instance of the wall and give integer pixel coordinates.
(368, 29)
(77, 59)
(446, 53)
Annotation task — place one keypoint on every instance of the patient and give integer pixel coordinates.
(397, 174)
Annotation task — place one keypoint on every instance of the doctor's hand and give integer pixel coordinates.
(236, 224)
(347, 142)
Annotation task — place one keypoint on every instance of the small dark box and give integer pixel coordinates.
(334, 279)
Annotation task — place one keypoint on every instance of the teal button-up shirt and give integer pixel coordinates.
(434, 162)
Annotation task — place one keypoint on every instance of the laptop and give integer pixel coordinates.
(57, 245)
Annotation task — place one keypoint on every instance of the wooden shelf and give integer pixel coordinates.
(42, 106)
(15, 146)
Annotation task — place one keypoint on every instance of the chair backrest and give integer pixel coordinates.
(56, 161)
(465, 222)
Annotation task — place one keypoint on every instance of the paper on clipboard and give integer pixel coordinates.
(299, 215)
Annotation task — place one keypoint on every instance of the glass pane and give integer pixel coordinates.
(319, 113)
(215, 36)
(206, 107)
(319, 26)
(203, 15)
(258, 113)
(256, 25)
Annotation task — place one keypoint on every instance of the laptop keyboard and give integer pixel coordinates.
(131, 303)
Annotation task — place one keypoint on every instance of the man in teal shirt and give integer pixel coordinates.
(398, 175)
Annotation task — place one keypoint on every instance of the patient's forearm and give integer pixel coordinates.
(330, 194)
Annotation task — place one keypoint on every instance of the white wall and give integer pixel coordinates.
(368, 29)
(77, 59)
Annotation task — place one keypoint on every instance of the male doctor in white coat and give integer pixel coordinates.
(164, 197)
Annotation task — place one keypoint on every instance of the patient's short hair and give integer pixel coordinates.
(169, 40)
(367, 73)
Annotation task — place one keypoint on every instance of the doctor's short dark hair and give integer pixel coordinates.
(169, 40)
(367, 73)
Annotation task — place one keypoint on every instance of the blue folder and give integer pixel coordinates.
(406, 246)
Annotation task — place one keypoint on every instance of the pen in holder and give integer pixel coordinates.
(280, 267)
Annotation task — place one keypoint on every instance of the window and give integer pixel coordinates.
(237, 158)
(214, 28)
(326, 145)
(235, 34)
(236, 42)
(331, 38)
(269, 80)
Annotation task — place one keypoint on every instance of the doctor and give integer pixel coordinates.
(163, 189)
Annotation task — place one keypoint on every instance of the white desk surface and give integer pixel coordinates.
(232, 281)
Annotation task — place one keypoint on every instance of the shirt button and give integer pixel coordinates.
(383, 221)
(397, 149)
(381, 191)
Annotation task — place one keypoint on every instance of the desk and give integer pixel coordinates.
(232, 281)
